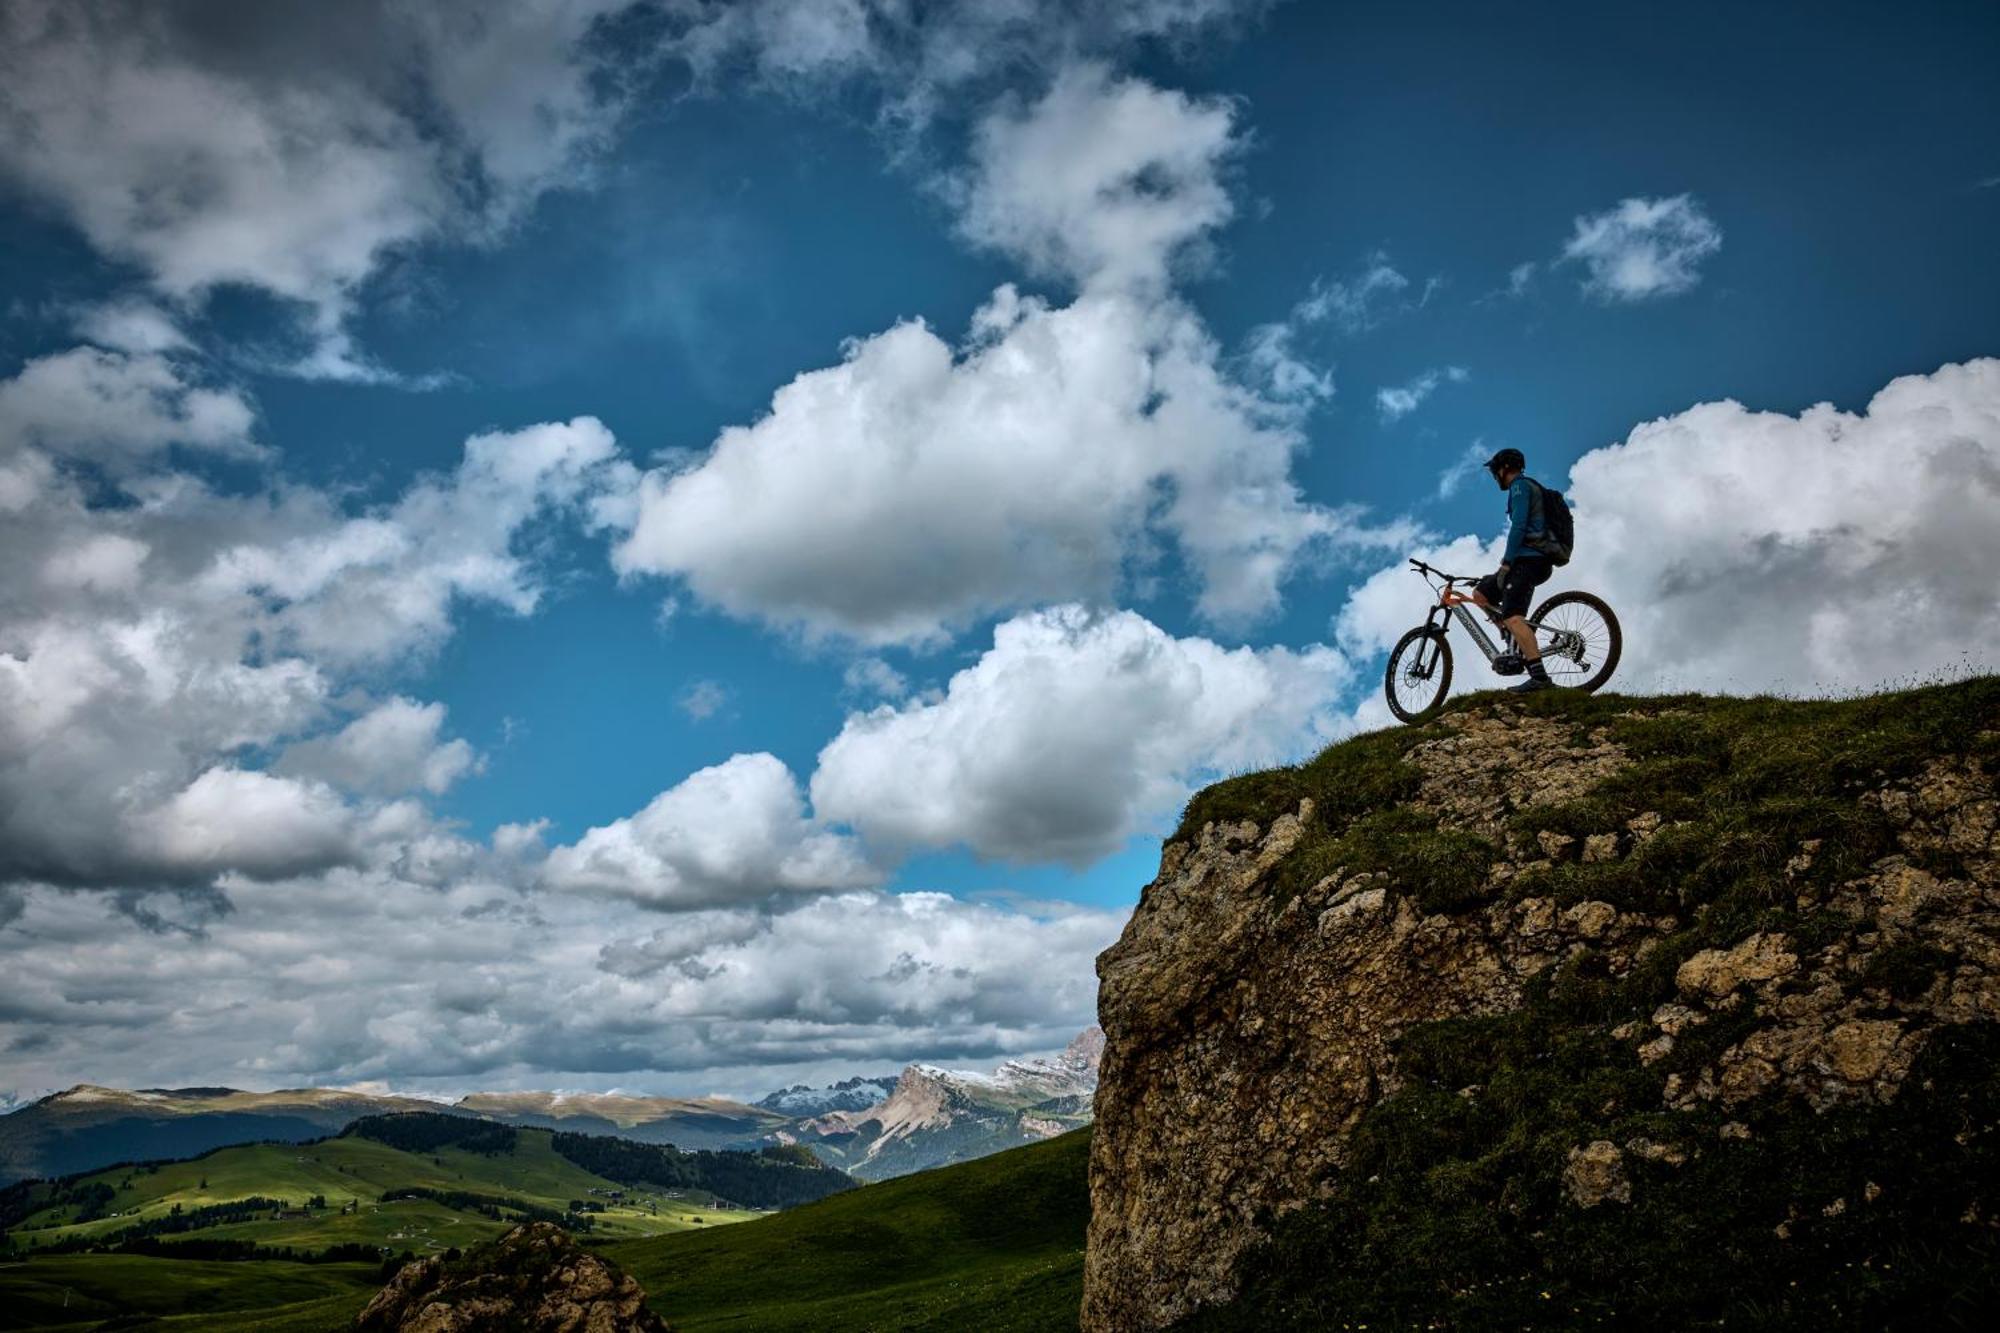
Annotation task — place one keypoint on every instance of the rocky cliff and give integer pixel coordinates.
(1567, 1011)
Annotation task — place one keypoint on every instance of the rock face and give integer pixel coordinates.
(534, 1279)
(1253, 1007)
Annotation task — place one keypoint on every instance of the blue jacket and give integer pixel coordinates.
(1522, 511)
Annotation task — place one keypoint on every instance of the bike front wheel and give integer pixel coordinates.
(1579, 638)
(1419, 675)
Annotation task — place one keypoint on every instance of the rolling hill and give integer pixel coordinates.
(74, 1292)
(995, 1245)
(419, 1181)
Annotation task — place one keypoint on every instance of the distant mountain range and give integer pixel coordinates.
(871, 1127)
(683, 1122)
(935, 1116)
(87, 1126)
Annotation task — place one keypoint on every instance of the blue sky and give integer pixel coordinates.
(1546, 227)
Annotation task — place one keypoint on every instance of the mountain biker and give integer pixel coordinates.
(1522, 570)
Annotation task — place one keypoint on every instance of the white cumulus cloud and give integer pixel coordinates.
(1101, 180)
(161, 634)
(393, 748)
(249, 823)
(913, 488)
(1643, 248)
(369, 588)
(1074, 731)
(736, 832)
(118, 408)
(918, 486)
(292, 148)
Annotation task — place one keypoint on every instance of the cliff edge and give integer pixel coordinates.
(1564, 1010)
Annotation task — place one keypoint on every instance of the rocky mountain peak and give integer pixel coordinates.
(1086, 1050)
(849, 1094)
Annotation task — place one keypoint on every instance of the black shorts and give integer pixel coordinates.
(1527, 573)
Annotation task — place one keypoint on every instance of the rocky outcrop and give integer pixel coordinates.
(1254, 1005)
(534, 1279)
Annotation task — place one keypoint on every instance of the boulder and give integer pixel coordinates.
(534, 1279)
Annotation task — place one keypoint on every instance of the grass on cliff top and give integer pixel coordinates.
(1450, 1212)
(1740, 777)
(1892, 732)
(994, 1245)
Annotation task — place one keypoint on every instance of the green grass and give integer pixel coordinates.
(995, 1244)
(1450, 1213)
(83, 1290)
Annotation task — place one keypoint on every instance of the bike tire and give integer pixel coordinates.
(1613, 648)
(1441, 671)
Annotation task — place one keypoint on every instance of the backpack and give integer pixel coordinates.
(1558, 526)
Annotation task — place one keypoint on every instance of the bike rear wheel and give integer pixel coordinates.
(1419, 675)
(1579, 638)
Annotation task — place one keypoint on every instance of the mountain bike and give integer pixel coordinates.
(1576, 631)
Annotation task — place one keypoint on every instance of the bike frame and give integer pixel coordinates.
(1454, 602)
(1451, 605)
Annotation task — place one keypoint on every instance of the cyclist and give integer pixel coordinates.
(1522, 569)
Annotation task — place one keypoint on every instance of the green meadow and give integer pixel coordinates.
(83, 1291)
(351, 1174)
(994, 1245)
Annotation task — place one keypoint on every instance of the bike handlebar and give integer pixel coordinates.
(1423, 568)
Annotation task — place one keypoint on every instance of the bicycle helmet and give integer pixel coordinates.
(1504, 459)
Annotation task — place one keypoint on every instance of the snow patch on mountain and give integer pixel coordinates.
(851, 1094)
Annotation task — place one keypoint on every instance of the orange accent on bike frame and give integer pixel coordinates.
(1453, 597)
